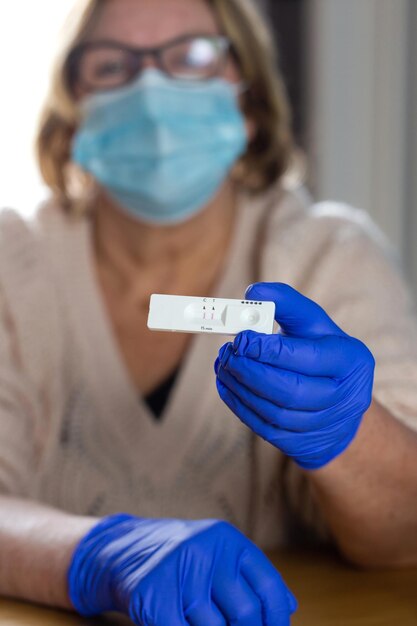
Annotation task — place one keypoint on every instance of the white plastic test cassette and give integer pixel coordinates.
(188, 314)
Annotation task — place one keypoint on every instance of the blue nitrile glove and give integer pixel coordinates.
(305, 390)
(168, 572)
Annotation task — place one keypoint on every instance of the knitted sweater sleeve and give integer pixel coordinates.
(339, 259)
(361, 287)
(29, 346)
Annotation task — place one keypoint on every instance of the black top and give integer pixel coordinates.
(157, 399)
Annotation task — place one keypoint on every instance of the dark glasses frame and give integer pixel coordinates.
(156, 53)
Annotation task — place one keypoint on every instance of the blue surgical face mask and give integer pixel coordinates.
(161, 147)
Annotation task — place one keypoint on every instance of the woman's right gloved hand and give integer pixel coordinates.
(167, 572)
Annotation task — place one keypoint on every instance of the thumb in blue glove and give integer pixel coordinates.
(167, 572)
(304, 390)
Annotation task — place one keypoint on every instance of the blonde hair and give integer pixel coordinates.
(271, 151)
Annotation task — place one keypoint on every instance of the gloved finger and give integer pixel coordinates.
(235, 599)
(170, 612)
(222, 351)
(278, 603)
(203, 612)
(320, 454)
(279, 417)
(199, 606)
(310, 449)
(282, 387)
(297, 315)
(313, 449)
(331, 356)
(246, 415)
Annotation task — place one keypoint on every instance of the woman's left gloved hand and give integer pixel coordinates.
(173, 572)
(305, 390)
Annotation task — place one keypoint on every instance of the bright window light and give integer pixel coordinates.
(28, 36)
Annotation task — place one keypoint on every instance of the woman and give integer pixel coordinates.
(165, 141)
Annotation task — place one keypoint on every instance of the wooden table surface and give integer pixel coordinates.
(329, 594)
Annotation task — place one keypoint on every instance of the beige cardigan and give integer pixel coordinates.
(75, 434)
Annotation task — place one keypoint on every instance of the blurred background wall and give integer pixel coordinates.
(351, 68)
(351, 71)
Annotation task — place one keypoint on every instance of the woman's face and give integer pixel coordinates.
(151, 23)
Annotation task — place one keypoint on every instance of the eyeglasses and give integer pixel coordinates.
(102, 65)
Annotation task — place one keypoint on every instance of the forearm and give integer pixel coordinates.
(368, 495)
(36, 545)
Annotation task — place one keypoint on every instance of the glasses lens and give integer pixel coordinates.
(195, 59)
(105, 67)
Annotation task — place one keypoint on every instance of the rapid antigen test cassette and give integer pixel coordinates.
(188, 314)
